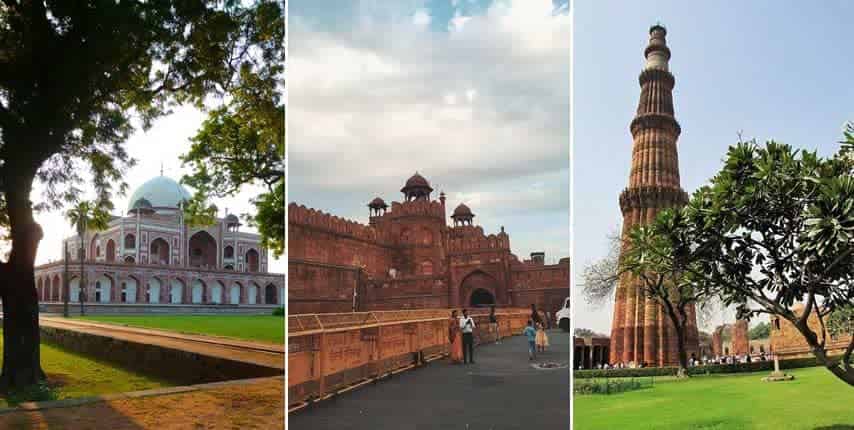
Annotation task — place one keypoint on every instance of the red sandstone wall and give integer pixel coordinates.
(740, 341)
(788, 342)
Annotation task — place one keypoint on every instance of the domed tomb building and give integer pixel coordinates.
(407, 256)
(150, 258)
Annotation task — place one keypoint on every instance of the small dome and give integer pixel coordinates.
(142, 205)
(462, 211)
(231, 219)
(416, 181)
(377, 203)
(161, 192)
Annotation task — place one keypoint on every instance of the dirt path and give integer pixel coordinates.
(251, 352)
(256, 405)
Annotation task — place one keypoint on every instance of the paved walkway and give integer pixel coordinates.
(258, 404)
(501, 391)
(269, 355)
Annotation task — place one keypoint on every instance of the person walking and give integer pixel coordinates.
(531, 334)
(467, 327)
(493, 324)
(455, 339)
(542, 339)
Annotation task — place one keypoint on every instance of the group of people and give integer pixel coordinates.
(692, 362)
(461, 334)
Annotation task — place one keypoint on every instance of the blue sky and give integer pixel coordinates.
(770, 69)
(474, 95)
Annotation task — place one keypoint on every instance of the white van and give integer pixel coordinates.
(562, 316)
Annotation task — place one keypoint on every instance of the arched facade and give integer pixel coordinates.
(110, 255)
(159, 252)
(203, 250)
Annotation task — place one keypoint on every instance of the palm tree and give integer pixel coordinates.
(85, 216)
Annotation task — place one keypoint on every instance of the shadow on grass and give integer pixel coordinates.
(94, 416)
(836, 427)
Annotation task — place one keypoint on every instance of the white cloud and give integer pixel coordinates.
(484, 104)
(421, 19)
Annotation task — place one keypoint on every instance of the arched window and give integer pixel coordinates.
(229, 252)
(426, 267)
(98, 251)
(130, 241)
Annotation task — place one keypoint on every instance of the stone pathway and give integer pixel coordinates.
(253, 404)
(264, 354)
(503, 390)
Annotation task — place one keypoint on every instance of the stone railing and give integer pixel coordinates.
(333, 353)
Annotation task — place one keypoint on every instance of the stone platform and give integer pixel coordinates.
(503, 390)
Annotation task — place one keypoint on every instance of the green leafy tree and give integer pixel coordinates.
(121, 64)
(776, 226)
(659, 255)
(760, 331)
(585, 332)
(242, 142)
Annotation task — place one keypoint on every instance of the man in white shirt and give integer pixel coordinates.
(467, 327)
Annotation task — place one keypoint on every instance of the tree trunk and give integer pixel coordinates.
(21, 340)
(21, 358)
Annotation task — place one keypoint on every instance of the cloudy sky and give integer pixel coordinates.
(163, 143)
(768, 69)
(474, 95)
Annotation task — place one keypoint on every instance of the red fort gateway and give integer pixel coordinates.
(408, 256)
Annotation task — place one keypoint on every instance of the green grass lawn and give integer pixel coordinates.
(72, 375)
(264, 328)
(814, 400)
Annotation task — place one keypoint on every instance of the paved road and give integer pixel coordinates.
(250, 352)
(501, 391)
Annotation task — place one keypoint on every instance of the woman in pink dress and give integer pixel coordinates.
(455, 338)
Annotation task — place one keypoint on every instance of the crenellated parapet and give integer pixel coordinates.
(419, 208)
(472, 237)
(319, 220)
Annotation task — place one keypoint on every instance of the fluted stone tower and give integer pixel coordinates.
(641, 331)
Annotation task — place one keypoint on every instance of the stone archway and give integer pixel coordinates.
(481, 298)
(252, 260)
(270, 295)
(234, 294)
(474, 281)
(216, 292)
(152, 293)
(203, 251)
(103, 289)
(252, 293)
(127, 293)
(111, 251)
(158, 252)
(176, 291)
(74, 290)
(197, 292)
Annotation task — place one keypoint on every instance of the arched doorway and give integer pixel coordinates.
(94, 249)
(198, 291)
(74, 287)
(159, 252)
(216, 292)
(252, 260)
(228, 252)
(270, 295)
(234, 294)
(478, 289)
(111, 251)
(481, 298)
(175, 292)
(152, 295)
(57, 289)
(202, 250)
(252, 294)
(128, 290)
(103, 288)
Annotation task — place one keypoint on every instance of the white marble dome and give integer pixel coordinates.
(162, 192)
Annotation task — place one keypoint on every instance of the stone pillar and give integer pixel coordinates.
(740, 341)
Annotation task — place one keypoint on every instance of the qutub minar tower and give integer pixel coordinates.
(641, 331)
